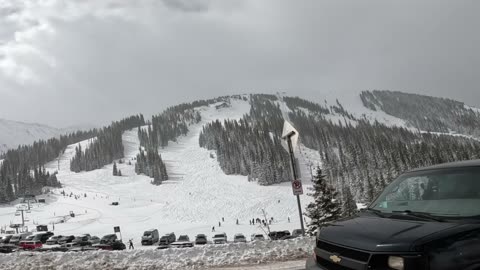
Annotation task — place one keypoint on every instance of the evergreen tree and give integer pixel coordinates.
(349, 207)
(325, 207)
(115, 171)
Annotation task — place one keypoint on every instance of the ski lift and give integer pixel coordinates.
(26, 219)
(29, 211)
(17, 214)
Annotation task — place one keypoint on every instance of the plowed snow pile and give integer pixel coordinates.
(200, 257)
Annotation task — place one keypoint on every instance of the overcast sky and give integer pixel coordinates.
(67, 62)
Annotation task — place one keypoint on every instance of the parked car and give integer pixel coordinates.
(427, 218)
(103, 246)
(278, 235)
(53, 240)
(257, 237)
(8, 248)
(94, 240)
(27, 239)
(81, 240)
(201, 239)
(82, 249)
(220, 238)
(34, 244)
(150, 237)
(239, 238)
(68, 245)
(297, 232)
(42, 237)
(15, 239)
(182, 242)
(66, 239)
(6, 239)
(183, 238)
(59, 249)
(118, 245)
(166, 240)
(108, 239)
(287, 237)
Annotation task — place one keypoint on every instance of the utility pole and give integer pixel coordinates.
(288, 138)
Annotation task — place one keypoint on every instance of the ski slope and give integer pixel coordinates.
(195, 198)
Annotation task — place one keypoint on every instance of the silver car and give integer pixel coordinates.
(220, 238)
(239, 238)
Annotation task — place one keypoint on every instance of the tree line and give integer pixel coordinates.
(364, 157)
(22, 170)
(252, 145)
(165, 127)
(107, 147)
(174, 121)
(425, 112)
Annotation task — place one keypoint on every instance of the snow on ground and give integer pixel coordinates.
(288, 265)
(451, 133)
(353, 104)
(475, 109)
(196, 198)
(200, 257)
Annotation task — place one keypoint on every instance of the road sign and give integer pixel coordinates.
(116, 229)
(287, 129)
(297, 187)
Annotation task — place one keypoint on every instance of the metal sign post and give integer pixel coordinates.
(288, 133)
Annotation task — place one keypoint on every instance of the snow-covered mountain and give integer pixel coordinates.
(13, 133)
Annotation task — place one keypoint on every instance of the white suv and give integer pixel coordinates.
(220, 238)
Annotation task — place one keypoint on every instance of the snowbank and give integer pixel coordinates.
(188, 258)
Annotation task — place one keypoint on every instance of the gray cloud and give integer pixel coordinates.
(187, 5)
(95, 61)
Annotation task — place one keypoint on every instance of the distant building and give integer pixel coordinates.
(29, 198)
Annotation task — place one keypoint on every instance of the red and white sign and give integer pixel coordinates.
(297, 187)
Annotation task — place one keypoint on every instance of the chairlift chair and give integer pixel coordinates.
(17, 214)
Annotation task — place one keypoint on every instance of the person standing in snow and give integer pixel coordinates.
(223, 219)
(219, 224)
(213, 228)
(288, 219)
(237, 221)
(130, 246)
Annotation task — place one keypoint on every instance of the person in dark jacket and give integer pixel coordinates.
(130, 246)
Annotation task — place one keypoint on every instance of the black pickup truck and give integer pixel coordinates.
(428, 218)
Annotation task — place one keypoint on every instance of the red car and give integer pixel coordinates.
(31, 244)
